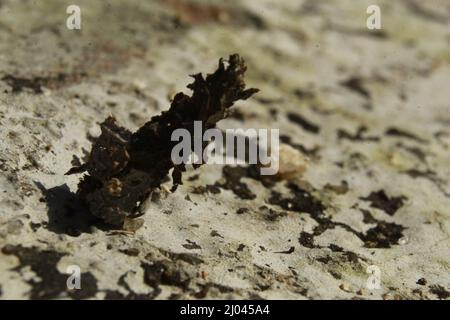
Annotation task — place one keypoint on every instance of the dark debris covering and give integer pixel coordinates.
(124, 168)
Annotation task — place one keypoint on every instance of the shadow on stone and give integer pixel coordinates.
(66, 213)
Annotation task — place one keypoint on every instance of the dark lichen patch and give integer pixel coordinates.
(356, 84)
(124, 168)
(351, 257)
(193, 177)
(209, 188)
(301, 201)
(355, 162)
(306, 240)
(53, 283)
(383, 235)
(339, 258)
(395, 132)
(132, 252)
(304, 123)
(266, 278)
(191, 245)
(324, 260)
(190, 258)
(348, 256)
(359, 136)
(419, 293)
(431, 176)
(35, 84)
(335, 248)
(35, 226)
(312, 152)
(270, 214)
(232, 181)
(242, 210)
(335, 274)
(381, 201)
(415, 151)
(165, 272)
(339, 189)
(268, 181)
(214, 233)
(368, 217)
(439, 291)
(269, 101)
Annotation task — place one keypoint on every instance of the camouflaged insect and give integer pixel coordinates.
(124, 168)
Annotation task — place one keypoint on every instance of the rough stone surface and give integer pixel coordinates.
(368, 111)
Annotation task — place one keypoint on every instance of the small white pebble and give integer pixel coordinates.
(403, 240)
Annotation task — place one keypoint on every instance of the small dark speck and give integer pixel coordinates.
(289, 251)
(191, 245)
(242, 210)
(35, 226)
(214, 233)
(133, 252)
(422, 281)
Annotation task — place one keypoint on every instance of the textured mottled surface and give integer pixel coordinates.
(367, 114)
